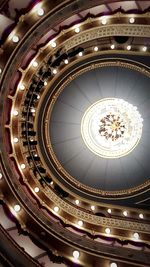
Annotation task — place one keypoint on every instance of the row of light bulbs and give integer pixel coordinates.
(80, 223)
(35, 64)
(125, 212)
(66, 61)
(76, 256)
(77, 202)
(40, 11)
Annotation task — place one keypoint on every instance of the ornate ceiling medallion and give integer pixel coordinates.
(111, 127)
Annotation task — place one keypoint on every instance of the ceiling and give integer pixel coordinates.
(57, 58)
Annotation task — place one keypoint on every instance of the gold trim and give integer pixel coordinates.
(62, 171)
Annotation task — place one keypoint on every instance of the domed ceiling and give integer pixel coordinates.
(74, 156)
(74, 159)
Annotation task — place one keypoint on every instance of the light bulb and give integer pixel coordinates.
(36, 189)
(15, 39)
(22, 166)
(76, 254)
(56, 209)
(17, 208)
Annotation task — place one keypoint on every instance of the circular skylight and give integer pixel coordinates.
(111, 127)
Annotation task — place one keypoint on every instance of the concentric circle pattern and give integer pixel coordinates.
(74, 133)
(111, 128)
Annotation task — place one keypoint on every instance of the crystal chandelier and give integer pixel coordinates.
(111, 127)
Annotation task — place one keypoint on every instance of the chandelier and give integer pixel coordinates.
(111, 127)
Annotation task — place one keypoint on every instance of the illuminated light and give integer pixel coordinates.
(16, 140)
(96, 48)
(103, 20)
(35, 155)
(113, 264)
(15, 39)
(92, 207)
(112, 46)
(136, 236)
(144, 48)
(109, 210)
(35, 64)
(128, 47)
(0, 70)
(40, 12)
(21, 87)
(132, 20)
(31, 140)
(54, 71)
(77, 30)
(33, 110)
(111, 127)
(80, 54)
(53, 44)
(52, 183)
(107, 231)
(17, 208)
(38, 96)
(141, 216)
(66, 61)
(45, 83)
(22, 166)
(125, 213)
(76, 254)
(80, 223)
(36, 189)
(77, 202)
(56, 209)
(15, 112)
(1, 176)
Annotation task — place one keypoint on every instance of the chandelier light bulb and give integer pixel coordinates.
(1, 175)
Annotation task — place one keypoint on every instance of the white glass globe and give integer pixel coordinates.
(111, 127)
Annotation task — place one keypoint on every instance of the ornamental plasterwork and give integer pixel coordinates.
(121, 193)
(97, 220)
(105, 31)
